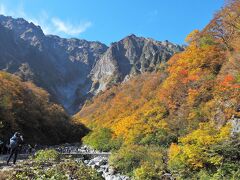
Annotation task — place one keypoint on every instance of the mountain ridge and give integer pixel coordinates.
(182, 122)
(73, 70)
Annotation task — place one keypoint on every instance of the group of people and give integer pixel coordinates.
(14, 147)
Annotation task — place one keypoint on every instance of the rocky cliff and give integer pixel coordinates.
(72, 70)
(59, 65)
(130, 56)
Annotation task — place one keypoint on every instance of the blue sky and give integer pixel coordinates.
(111, 20)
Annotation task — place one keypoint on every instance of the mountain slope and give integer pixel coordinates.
(59, 65)
(73, 70)
(178, 120)
(26, 108)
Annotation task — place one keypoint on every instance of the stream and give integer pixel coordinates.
(80, 153)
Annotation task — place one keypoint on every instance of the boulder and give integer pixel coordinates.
(111, 171)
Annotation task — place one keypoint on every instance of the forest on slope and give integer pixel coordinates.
(27, 109)
(177, 120)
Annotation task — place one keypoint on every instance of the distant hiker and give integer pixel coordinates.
(30, 148)
(15, 144)
(1, 147)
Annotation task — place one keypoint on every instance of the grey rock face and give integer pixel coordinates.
(72, 70)
(59, 65)
(235, 122)
(130, 56)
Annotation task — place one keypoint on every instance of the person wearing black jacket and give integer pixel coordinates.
(1, 147)
(15, 142)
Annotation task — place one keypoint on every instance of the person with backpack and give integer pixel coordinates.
(15, 143)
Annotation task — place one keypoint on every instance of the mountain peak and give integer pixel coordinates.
(131, 36)
(73, 70)
(130, 56)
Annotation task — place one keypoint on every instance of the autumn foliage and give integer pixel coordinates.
(27, 108)
(184, 108)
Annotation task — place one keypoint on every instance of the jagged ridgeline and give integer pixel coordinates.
(72, 70)
(27, 109)
(60, 66)
(177, 119)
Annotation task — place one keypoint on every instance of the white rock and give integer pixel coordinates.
(86, 161)
(91, 162)
(111, 171)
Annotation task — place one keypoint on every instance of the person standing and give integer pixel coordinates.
(15, 142)
(1, 147)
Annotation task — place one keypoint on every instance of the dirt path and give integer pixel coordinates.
(3, 161)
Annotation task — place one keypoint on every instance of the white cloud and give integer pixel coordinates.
(2, 9)
(49, 25)
(68, 28)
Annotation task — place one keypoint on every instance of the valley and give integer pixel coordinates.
(149, 109)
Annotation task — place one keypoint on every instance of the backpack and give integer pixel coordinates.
(13, 142)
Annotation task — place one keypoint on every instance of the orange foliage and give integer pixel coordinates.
(26, 108)
(197, 85)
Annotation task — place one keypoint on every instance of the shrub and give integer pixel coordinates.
(147, 171)
(79, 171)
(100, 139)
(62, 171)
(128, 158)
(139, 159)
(153, 166)
(116, 143)
(43, 156)
(206, 150)
(161, 137)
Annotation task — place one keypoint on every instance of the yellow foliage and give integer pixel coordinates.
(188, 102)
(192, 36)
(194, 148)
(173, 150)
